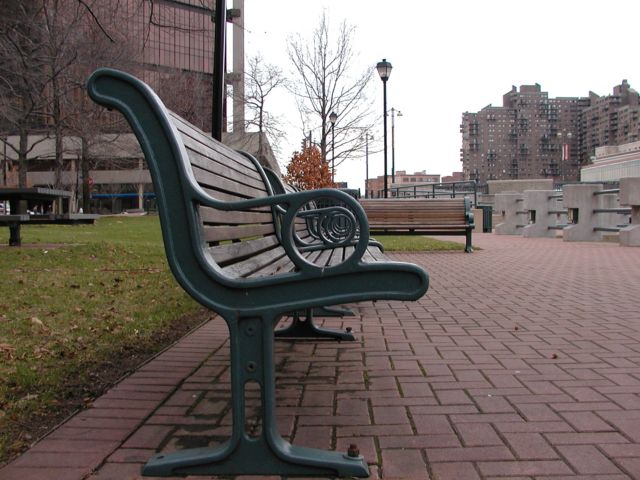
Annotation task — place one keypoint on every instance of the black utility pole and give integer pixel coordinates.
(219, 49)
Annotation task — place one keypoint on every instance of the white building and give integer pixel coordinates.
(613, 163)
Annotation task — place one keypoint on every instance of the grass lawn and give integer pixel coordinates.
(411, 243)
(82, 305)
(76, 315)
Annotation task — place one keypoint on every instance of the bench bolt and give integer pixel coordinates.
(353, 450)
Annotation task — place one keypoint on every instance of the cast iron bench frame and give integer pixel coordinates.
(194, 177)
(420, 216)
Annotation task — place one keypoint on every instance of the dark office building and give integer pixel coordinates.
(534, 136)
(175, 42)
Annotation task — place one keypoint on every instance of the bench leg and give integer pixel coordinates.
(14, 235)
(263, 453)
(305, 328)
(468, 247)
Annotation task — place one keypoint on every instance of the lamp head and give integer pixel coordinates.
(333, 116)
(384, 69)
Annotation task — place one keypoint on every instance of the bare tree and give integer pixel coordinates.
(47, 48)
(104, 42)
(22, 82)
(327, 85)
(261, 80)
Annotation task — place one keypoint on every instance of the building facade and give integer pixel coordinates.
(534, 136)
(167, 44)
(613, 163)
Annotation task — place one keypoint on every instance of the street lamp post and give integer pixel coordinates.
(332, 118)
(394, 112)
(384, 70)
(367, 136)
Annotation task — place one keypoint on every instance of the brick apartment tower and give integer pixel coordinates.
(534, 136)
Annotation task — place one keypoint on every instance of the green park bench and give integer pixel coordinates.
(232, 244)
(420, 216)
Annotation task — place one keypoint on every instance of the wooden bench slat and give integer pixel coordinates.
(222, 168)
(217, 183)
(228, 197)
(212, 215)
(254, 264)
(220, 233)
(226, 253)
(192, 135)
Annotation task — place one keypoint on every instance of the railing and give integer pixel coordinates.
(435, 190)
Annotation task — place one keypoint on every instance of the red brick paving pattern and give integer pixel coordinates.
(522, 361)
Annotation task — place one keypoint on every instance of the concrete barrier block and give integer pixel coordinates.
(630, 191)
(580, 200)
(630, 236)
(540, 204)
(510, 206)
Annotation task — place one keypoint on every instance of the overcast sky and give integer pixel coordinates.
(452, 56)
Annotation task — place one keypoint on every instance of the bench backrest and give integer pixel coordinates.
(186, 165)
(227, 175)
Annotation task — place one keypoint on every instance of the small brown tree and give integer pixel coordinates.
(307, 170)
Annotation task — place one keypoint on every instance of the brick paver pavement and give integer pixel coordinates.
(522, 361)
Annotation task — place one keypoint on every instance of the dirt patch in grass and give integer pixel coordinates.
(21, 431)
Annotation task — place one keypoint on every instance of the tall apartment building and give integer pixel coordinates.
(611, 120)
(534, 136)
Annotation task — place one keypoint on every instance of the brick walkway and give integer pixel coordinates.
(522, 361)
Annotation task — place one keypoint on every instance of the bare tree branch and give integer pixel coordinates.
(326, 84)
(96, 20)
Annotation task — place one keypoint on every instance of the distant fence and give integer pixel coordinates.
(435, 190)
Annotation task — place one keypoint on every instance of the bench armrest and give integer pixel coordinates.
(338, 226)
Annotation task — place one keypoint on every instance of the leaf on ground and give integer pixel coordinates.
(38, 322)
(30, 396)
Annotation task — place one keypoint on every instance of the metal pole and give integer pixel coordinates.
(393, 146)
(218, 69)
(366, 166)
(384, 112)
(333, 152)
